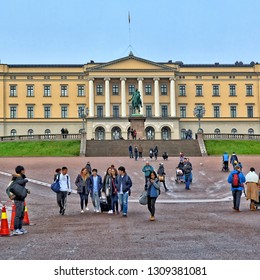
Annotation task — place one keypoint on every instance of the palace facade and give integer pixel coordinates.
(43, 99)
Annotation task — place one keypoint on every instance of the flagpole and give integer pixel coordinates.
(129, 26)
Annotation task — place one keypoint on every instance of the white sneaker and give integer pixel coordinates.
(110, 212)
(23, 230)
(87, 209)
(82, 212)
(98, 211)
(17, 232)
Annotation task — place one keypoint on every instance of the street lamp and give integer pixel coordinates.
(83, 113)
(199, 112)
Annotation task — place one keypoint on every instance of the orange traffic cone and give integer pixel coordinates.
(4, 223)
(13, 217)
(26, 220)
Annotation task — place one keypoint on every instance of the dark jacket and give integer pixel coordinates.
(233, 158)
(242, 180)
(21, 180)
(88, 167)
(107, 185)
(91, 185)
(125, 181)
(80, 183)
(161, 170)
(187, 168)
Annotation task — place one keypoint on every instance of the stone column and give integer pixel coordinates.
(156, 98)
(91, 97)
(140, 88)
(172, 98)
(83, 144)
(123, 97)
(107, 97)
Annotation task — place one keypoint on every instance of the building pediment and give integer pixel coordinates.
(131, 64)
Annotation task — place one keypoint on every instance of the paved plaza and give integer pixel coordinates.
(196, 224)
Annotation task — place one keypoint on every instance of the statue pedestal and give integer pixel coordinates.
(137, 123)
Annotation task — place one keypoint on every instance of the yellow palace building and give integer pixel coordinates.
(43, 99)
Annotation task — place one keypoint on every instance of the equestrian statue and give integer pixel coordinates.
(136, 101)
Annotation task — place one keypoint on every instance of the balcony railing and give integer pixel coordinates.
(41, 137)
(231, 136)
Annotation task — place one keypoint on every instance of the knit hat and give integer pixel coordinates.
(19, 169)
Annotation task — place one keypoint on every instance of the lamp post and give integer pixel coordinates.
(83, 113)
(199, 112)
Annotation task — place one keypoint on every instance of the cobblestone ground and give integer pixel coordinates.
(196, 224)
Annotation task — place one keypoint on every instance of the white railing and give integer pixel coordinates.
(230, 136)
(38, 137)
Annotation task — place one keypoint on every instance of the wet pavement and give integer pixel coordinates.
(195, 224)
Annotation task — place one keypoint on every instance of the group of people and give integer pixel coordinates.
(115, 187)
(184, 171)
(111, 192)
(153, 152)
(132, 132)
(64, 132)
(188, 134)
(136, 152)
(249, 184)
(233, 161)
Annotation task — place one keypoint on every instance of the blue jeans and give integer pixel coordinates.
(96, 201)
(236, 199)
(187, 181)
(114, 200)
(123, 200)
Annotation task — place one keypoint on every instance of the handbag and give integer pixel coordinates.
(18, 190)
(161, 178)
(143, 198)
(55, 186)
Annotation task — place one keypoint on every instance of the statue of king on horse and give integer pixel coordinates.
(136, 101)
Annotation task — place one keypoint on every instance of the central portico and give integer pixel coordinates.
(112, 84)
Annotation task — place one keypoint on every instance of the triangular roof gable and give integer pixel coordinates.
(130, 63)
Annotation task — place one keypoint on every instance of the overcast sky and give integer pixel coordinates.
(77, 31)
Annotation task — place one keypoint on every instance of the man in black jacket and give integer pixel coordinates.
(123, 185)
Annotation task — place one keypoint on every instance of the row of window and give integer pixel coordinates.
(217, 112)
(46, 90)
(47, 77)
(131, 89)
(214, 77)
(116, 111)
(81, 111)
(81, 90)
(216, 90)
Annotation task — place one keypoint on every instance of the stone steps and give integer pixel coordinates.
(119, 148)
